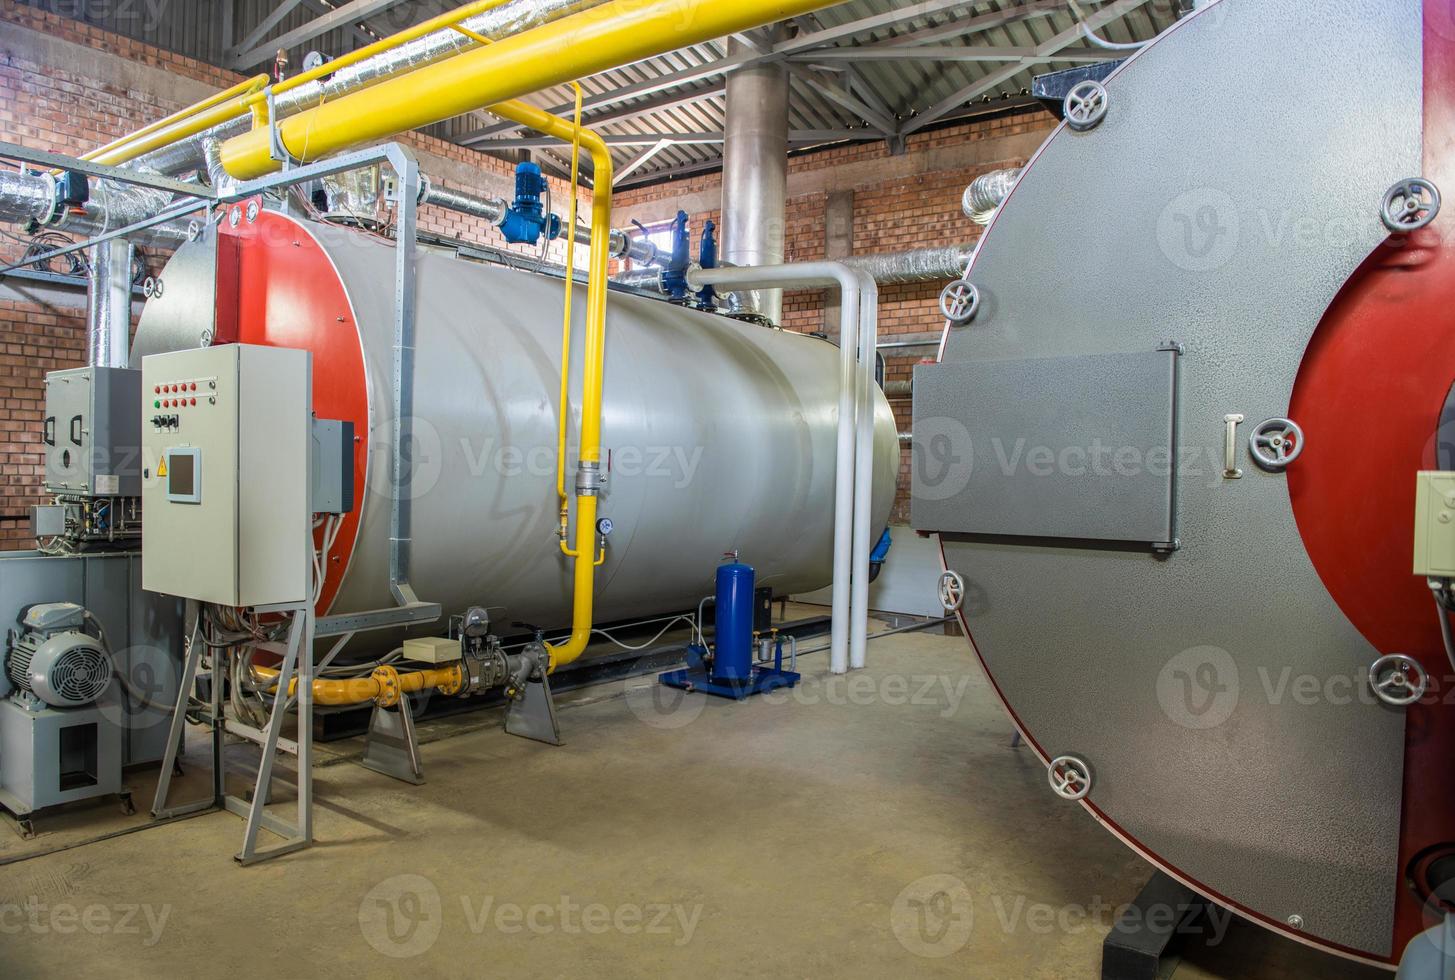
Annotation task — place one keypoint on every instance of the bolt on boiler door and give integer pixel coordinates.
(1232, 188)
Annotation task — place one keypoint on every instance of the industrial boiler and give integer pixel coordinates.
(1186, 562)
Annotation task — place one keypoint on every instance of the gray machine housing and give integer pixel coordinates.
(93, 432)
(51, 756)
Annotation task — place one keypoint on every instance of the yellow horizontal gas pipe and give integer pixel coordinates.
(247, 96)
(594, 360)
(591, 41)
(438, 22)
(360, 690)
(112, 153)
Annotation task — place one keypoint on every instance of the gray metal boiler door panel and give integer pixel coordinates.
(1232, 188)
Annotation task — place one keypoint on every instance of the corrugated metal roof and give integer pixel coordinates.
(902, 70)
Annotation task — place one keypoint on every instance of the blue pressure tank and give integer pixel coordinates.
(732, 658)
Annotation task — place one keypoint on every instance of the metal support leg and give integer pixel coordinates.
(391, 746)
(193, 662)
(299, 655)
(534, 715)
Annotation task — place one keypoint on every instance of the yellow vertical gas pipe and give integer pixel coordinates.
(593, 365)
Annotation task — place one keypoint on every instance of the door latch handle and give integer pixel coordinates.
(1230, 447)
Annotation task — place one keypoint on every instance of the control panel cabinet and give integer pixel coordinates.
(227, 442)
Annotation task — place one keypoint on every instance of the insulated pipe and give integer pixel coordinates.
(492, 209)
(918, 265)
(31, 197)
(108, 304)
(755, 170)
(864, 469)
(851, 286)
(984, 194)
(585, 43)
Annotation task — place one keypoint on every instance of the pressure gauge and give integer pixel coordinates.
(604, 526)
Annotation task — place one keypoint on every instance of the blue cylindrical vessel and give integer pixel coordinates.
(732, 659)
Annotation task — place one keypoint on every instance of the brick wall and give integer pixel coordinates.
(911, 202)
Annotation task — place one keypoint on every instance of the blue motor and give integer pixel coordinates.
(526, 219)
(732, 658)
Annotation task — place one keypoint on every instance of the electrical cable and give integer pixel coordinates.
(1443, 607)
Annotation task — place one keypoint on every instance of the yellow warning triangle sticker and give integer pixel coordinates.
(162, 467)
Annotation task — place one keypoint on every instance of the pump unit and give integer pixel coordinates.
(61, 737)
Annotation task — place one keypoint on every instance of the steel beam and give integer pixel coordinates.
(350, 13)
(257, 34)
(998, 77)
(1024, 55)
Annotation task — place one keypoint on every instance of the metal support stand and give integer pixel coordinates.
(297, 666)
(391, 746)
(534, 715)
(1142, 934)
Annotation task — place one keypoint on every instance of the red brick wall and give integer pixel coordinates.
(917, 210)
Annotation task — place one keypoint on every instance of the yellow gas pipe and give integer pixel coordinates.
(250, 96)
(594, 40)
(385, 685)
(593, 367)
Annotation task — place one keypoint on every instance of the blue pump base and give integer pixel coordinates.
(760, 681)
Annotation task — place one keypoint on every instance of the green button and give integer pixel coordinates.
(157, 403)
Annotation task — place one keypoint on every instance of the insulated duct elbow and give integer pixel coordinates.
(986, 192)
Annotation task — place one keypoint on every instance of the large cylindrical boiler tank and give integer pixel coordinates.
(718, 436)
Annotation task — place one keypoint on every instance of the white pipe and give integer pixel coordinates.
(863, 469)
(845, 618)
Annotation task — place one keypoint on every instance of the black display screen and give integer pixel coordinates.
(182, 475)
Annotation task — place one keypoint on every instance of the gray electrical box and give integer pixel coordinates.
(333, 466)
(228, 444)
(92, 432)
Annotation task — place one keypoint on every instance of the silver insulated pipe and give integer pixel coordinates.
(919, 265)
(986, 192)
(493, 210)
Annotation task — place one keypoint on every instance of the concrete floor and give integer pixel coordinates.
(874, 827)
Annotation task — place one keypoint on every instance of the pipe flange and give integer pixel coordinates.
(1085, 105)
(1410, 205)
(951, 591)
(1398, 679)
(960, 301)
(1070, 777)
(1274, 443)
(456, 684)
(390, 688)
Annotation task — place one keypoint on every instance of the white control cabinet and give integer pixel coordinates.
(226, 435)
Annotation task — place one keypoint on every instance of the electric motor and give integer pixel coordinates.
(54, 660)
